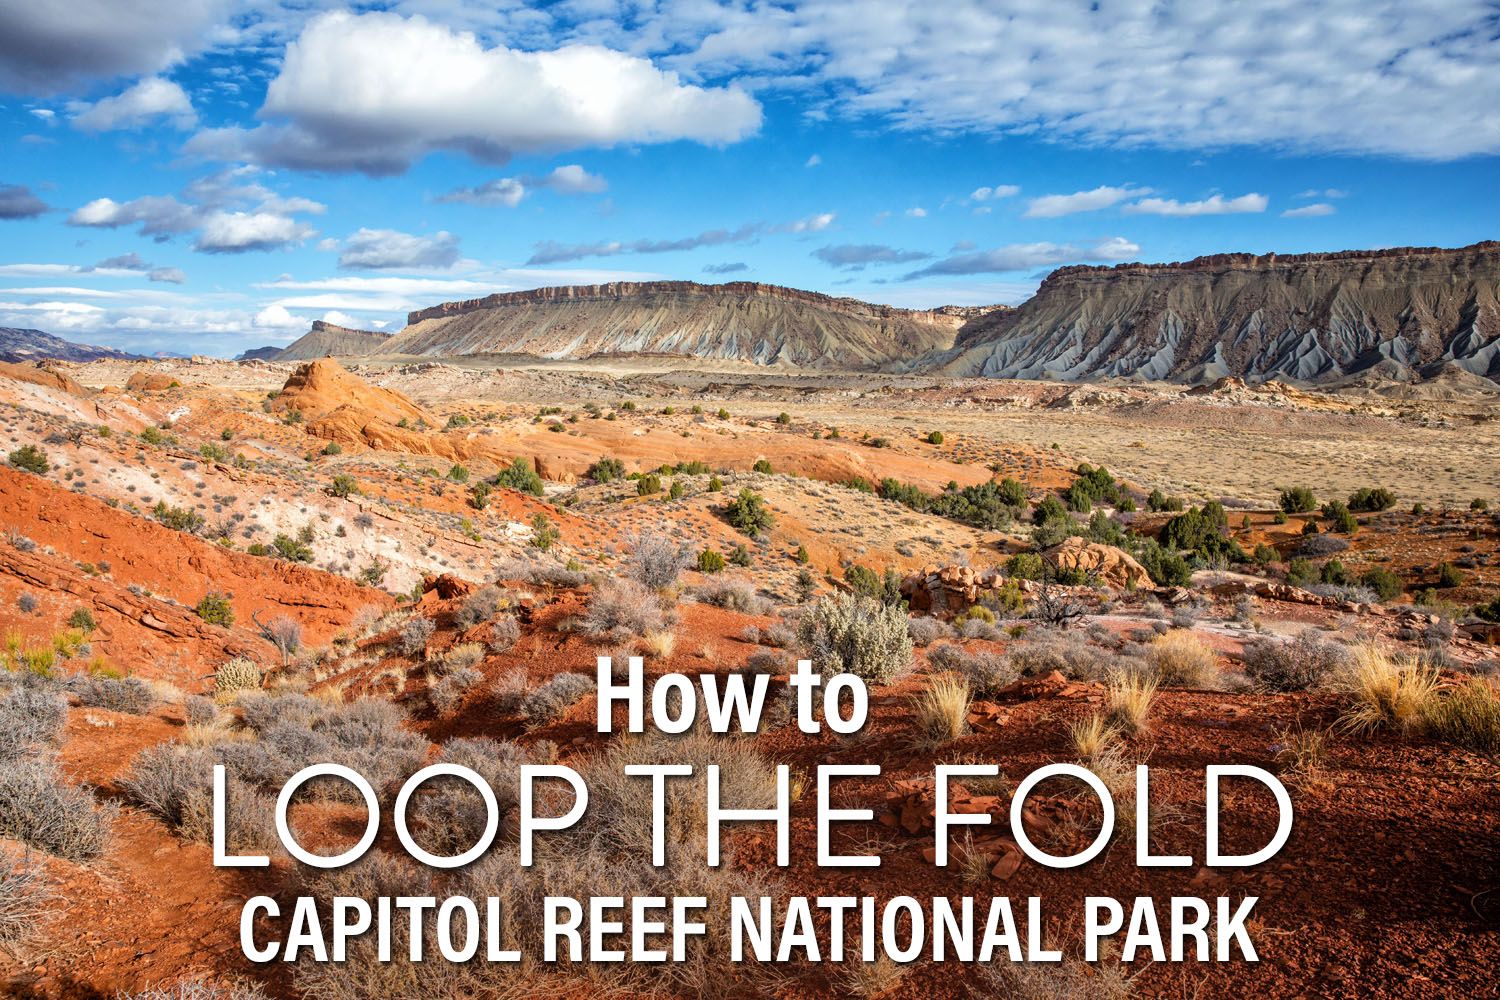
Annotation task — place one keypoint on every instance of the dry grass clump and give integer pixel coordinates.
(1128, 700)
(200, 989)
(622, 609)
(450, 690)
(877, 978)
(462, 656)
(25, 900)
(1092, 737)
(659, 645)
(656, 561)
(1069, 653)
(1387, 692)
(1182, 659)
(505, 631)
(986, 673)
(1467, 716)
(40, 809)
(1070, 979)
(942, 711)
(1307, 661)
(412, 640)
(1301, 752)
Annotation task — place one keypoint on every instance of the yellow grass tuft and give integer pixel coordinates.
(1181, 659)
(659, 644)
(1387, 692)
(1128, 701)
(1092, 737)
(942, 711)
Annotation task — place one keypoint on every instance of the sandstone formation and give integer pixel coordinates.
(1398, 314)
(737, 321)
(327, 340)
(42, 375)
(949, 589)
(1114, 568)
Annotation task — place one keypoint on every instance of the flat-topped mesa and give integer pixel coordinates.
(739, 322)
(1403, 314)
(325, 339)
(624, 290)
(1222, 262)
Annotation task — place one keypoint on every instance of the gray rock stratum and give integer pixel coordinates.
(326, 339)
(1398, 314)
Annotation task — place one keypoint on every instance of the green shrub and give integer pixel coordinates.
(885, 588)
(1369, 500)
(762, 466)
(458, 474)
(479, 496)
(83, 620)
(1301, 572)
(748, 512)
(1387, 585)
(1297, 500)
(710, 561)
(544, 533)
(802, 555)
(178, 518)
(1343, 519)
(1165, 567)
(291, 549)
(30, 458)
(1159, 502)
(783, 418)
(936, 437)
(343, 486)
(849, 633)
(740, 555)
(1025, 566)
(216, 610)
(214, 453)
(519, 475)
(606, 470)
(1449, 576)
(715, 484)
(677, 490)
(648, 485)
(1264, 554)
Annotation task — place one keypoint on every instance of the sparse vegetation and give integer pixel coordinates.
(848, 633)
(748, 512)
(30, 458)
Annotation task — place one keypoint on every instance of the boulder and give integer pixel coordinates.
(1115, 568)
(949, 589)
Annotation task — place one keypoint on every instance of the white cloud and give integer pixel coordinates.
(1325, 193)
(375, 92)
(276, 317)
(997, 192)
(1314, 210)
(811, 224)
(1051, 206)
(1216, 205)
(157, 215)
(388, 249)
(916, 213)
(238, 232)
(568, 179)
(171, 275)
(340, 318)
(1411, 79)
(813, 160)
(50, 47)
(1027, 256)
(150, 99)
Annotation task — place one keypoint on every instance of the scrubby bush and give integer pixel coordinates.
(30, 458)
(936, 437)
(1069, 653)
(25, 900)
(1319, 546)
(238, 674)
(1297, 500)
(762, 466)
(1366, 499)
(710, 561)
(848, 633)
(884, 587)
(40, 809)
(925, 630)
(748, 512)
(1387, 585)
(178, 518)
(343, 486)
(480, 606)
(31, 723)
(622, 609)
(461, 656)
(1165, 567)
(450, 690)
(1025, 566)
(505, 631)
(175, 783)
(130, 695)
(414, 636)
(291, 549)
(986, 674)
(216, 610)
(1297, 664)
(733, 595)
(656, 561)
(200, 711)
(1343, 519)
(1159, 502)
(553, 699)
(648, 485)
(1449, 576)
(606, 470)
(519, 475)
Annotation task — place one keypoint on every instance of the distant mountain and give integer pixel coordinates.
(326, 339)
(34, 345)
(267, 353)
(736, 321)
(1381, 315)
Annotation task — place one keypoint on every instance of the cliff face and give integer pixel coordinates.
(34, 345)
(737, 321)
(325, 339)
(1401, 313)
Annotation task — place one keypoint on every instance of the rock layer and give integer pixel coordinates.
(1400, 314)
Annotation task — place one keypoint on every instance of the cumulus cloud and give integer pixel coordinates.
(46, 48)
(1051, 206)
(1314, 210)
(857, 256)
(431, 88)
(276, 317)
(1026, 256)
(151, 99)
(17, 202)
(1216, 205)
(239, 232)
(171, 275)
(508, 191)
(997, 192)
(124, 262)
(811, 224)
(733, 267)
(1346, 76)
(390, 250)
(231, 213)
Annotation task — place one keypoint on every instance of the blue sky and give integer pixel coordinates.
(212, 175)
